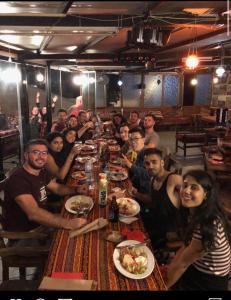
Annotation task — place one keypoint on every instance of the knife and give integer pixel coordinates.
(131, 245)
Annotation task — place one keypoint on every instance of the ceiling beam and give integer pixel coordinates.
(97, 21)
(190, 41)
(35, 56)
(68, 5)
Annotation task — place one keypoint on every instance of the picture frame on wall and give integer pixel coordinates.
(228, 89)
(229, 79)
(219, 89)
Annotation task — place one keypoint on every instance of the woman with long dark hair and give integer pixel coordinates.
(69, 137)
(203, 263)
(59, 164)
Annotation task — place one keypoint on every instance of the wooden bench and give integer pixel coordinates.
(189, 140)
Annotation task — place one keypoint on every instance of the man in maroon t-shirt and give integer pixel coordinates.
(24, 206)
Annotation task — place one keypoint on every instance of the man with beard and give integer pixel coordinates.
(84, 128)
(163, 200)
(26, 194)
(149, 123)
(61, 122)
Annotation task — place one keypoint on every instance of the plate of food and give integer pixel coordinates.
(112, 142)
(116, 161)
(118, 176)
(83, 160)
(128, 207)
(79, 202)
(88, 148)
(135, 262)
(114, 148)
(90, 142)
(78, 175)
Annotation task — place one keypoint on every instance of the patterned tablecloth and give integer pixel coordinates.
(92, 255)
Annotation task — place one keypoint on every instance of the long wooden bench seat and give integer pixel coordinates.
(189, 140)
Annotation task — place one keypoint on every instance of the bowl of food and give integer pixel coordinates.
(132, 260)
(118, 176)
(77, 204)
(128, 207)
(84, 159)
(80, 176)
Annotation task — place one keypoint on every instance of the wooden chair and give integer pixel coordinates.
(20, 256)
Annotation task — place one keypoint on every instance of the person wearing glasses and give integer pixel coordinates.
(25, 194)
(203, 262)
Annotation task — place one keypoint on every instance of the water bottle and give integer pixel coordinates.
(97, 129)
(102, 189)
(89, 171)
(106, 171)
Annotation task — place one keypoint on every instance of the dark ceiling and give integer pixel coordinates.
(87, 35)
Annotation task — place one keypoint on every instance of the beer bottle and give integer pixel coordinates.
(113, 210)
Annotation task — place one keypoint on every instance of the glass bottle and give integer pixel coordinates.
(89, 171)
(103, 189)
(113, 210)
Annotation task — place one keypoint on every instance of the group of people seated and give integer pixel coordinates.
(186, 206)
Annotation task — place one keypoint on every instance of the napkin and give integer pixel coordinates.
(95, 225)
(57, 284)
(127, 220)
(67, 275)
(136, 234)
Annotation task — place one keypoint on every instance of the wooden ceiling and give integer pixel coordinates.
(87, 35)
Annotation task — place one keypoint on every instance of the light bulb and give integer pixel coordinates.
(91, 80)
(120, 82)
(80, 80)
(194, 81)
(192, 61)
(220, 71)
(40, 77)
(215, 80)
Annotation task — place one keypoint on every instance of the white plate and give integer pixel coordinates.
(117, 176)
(90, 142)
(135, 210)
(82, 160)
(81, 199)
(122, 270)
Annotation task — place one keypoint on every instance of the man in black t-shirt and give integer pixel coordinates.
(24, 206)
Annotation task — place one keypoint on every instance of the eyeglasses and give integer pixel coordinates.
(37, 152)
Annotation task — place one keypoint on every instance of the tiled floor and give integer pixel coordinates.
(194, 160)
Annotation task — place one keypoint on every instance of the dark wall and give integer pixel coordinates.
(189, 90)
(113, 90)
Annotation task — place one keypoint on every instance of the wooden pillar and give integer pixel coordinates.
(24, 105)
(48, 96)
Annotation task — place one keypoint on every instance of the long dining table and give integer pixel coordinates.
(92, 255)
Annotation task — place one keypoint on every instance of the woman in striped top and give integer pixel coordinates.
(203, 263)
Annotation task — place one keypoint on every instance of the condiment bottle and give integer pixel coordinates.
(103, 189)
(113, 210)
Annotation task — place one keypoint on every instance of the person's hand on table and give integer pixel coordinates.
(82, 189)
(76, 149)
(126, 162)
(76, 223)
(132, 191)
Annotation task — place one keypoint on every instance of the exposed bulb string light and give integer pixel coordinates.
(192, 60)
(221, 70)
(194, 81)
